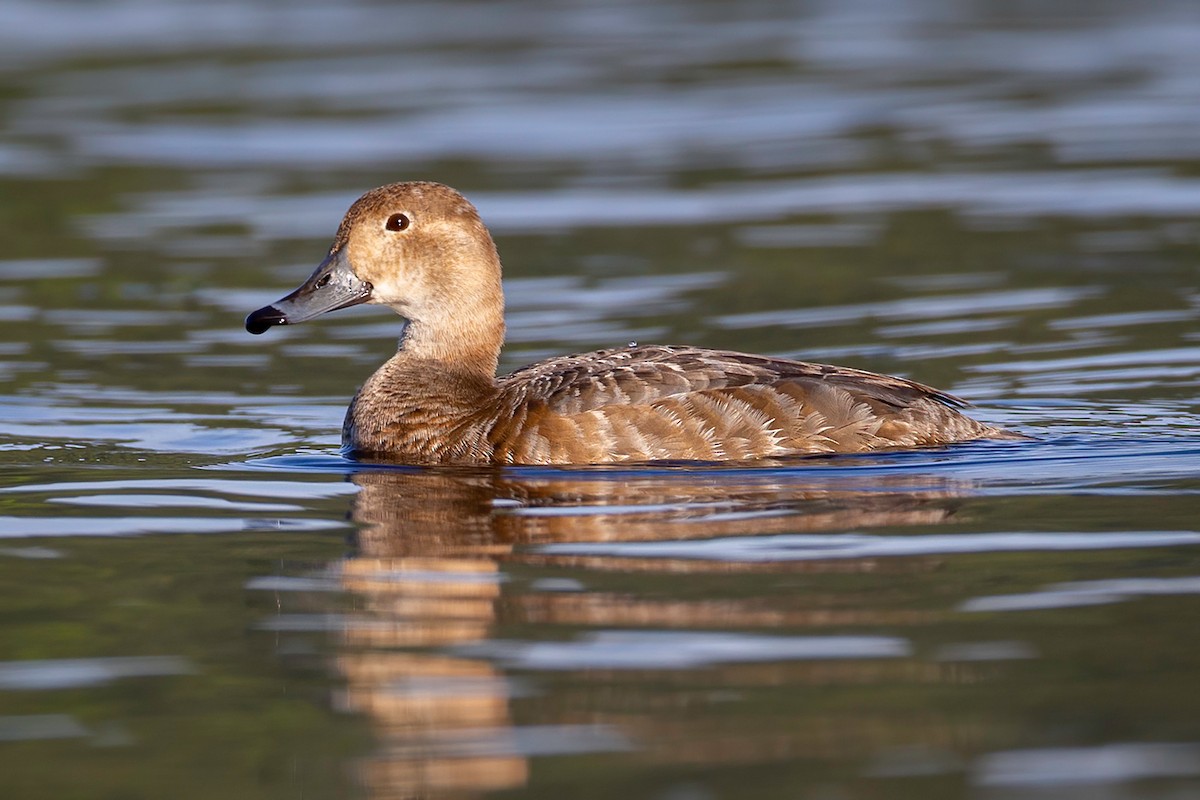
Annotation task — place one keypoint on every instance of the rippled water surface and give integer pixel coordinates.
(199, 597)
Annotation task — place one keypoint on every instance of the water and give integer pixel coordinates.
(200, 598)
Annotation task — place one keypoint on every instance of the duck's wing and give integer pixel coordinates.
(659, 402)
(637, 375)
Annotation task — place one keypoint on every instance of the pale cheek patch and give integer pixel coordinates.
(377, 260)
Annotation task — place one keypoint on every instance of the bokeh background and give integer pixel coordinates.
(199, 597)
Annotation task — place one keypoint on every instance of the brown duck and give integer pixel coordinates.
(421, 249)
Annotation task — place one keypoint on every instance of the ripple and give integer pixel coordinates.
(1110, 763)
(1085, 194)
(1085, 593)
(102, 347)
(985, 651)
(34, 527)
(169, 501)
(807, 547)
(1173, 355)
(680, 650)
(949, 327)
(44, 268)
(924, 308)
(73, 673)
(1125, 318)
(163, 437)
(253, 488)
(529, 740)
(843, 234)
(35, 727)
(95, 318)
(32, 553)
(292, 583)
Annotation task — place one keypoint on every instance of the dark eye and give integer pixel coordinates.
(397, 222)
(324, 281)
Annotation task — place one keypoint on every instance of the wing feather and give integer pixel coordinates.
(638, 375)
(661, 402)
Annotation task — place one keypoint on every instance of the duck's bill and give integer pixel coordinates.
(334, 285)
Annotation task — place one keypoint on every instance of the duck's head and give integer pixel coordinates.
(419, 248)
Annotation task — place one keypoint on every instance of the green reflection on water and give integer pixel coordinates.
(249, 721)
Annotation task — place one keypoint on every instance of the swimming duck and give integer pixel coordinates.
(421, 249)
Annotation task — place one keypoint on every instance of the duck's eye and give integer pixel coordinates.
(323, 281)
(398, 222)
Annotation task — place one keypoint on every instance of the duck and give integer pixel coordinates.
(422, 249)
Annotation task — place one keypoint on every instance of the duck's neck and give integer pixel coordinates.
(431, 402)
(466, 344)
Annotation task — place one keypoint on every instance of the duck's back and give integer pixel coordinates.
(686, 403)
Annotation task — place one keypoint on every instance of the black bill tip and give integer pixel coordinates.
(264, 318)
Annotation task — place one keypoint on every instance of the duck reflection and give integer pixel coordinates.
(478, 513)
(433, 551)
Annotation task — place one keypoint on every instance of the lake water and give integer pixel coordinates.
(200, 598)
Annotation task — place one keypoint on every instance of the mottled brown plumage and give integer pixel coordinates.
(421, 249)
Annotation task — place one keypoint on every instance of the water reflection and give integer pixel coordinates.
(489, 512)
(422, 657)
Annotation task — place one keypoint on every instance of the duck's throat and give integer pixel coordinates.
(421, 411)
(467, 344)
